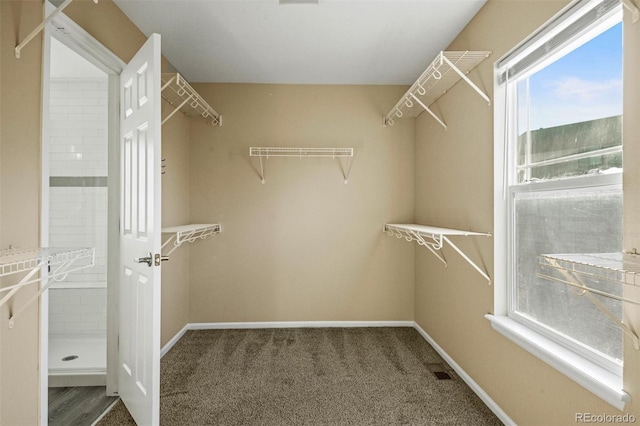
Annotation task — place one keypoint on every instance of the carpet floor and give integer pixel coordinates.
(326, 376)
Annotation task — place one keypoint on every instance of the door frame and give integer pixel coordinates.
(65, 30)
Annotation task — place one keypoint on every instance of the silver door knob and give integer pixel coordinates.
(148, 260)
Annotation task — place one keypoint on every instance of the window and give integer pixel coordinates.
(559, 176)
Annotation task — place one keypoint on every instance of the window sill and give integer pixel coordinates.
(594, 378)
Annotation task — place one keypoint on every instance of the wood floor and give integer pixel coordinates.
(77, 406)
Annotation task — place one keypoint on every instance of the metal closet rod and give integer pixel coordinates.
(39, 28)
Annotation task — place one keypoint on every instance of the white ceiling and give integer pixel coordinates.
(332, 42)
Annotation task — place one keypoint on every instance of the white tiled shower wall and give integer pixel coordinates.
(74, 311)
(78, 201)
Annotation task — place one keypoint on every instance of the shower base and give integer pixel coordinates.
(77, 360)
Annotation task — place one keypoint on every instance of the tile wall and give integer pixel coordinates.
(78, 201)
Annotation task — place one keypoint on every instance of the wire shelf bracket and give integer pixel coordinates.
(32, 34)
(183, 97)
(434, 239)
(579, 270)
(335, 153)
(59, 261)
(189, 234)
(441, 75)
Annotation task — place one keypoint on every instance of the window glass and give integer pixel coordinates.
(569, 113)
(568, 221)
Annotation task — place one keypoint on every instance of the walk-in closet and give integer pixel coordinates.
(286, 212)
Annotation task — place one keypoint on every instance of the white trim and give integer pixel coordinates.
(591, 376)
(166, 348)
(44, 227)
(277, 324)
(489, 402)
(113, 234)
(79, 40)
(296, 324)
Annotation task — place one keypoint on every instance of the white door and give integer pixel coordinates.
(139, 300)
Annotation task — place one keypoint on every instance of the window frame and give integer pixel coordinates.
(580, 363)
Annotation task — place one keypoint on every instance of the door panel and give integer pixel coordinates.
(139, 343)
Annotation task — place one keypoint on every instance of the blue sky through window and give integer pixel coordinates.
(584, 85)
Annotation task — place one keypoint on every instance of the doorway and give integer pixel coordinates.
(78, 199)
(80, 208)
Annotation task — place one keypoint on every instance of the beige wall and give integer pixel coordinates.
(304, 246)
(20, 115)
(175, 211)
(456, 191)
(19, 204)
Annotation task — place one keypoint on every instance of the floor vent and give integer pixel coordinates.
(439, 371)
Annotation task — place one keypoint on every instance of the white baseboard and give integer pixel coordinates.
(296, 324)
(347, 324)
(277, 324)
(173, 340)
(467, 379)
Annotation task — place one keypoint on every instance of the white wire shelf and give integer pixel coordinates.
(441, 75)
(259, 151)
(14, 261)
(434, 239)
(596, 274)
(183, 97)
(189, 234)
(59, 263)
(334, 153)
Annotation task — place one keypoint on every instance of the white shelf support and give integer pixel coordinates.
(434, 239)
(465, 78)
(184, 98)
(631, 7)
(189, 234)
(441, 75)
(334, 153)
(468, 259)
(39, 28)
(426, 108)
(577, 270)
(62, 261)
